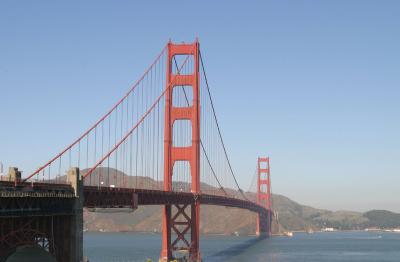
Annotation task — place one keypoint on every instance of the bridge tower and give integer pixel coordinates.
(264, 196)
(182, 218)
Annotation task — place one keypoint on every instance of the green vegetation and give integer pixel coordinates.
(382, 219)
(293, 216)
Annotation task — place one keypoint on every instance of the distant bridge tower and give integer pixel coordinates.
(182, 218)
(264, 196)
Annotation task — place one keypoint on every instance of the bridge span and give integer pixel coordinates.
(148, 149)
(50, 216)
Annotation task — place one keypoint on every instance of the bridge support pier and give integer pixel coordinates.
(182, 220)
(263, 224)
(44, 216)
(76, 225)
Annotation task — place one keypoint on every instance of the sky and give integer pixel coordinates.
(315, 85)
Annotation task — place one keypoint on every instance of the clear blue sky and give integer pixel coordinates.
(313, 84)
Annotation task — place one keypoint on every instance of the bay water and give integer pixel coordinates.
(317, 247)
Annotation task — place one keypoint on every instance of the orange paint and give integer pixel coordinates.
(190, 153)
(264, 195)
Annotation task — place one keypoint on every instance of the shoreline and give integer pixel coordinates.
(253, 235)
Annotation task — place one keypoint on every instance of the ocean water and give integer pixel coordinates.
(317, 247)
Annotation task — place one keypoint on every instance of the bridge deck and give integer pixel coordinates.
(9, 189)
(122, 197)
(106, 197)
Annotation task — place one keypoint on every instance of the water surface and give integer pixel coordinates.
(330, 247)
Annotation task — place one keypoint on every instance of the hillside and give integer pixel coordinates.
(382, 219)
(222, 220)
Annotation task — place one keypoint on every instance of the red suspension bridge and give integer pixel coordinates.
(161, 144)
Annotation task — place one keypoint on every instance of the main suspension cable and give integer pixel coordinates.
(218, 128)
(201, 142)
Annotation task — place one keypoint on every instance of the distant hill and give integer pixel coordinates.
(382, 219)
(222, 220)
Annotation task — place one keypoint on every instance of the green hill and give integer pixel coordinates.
(382, 219)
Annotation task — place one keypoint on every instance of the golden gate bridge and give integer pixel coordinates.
(160, 144)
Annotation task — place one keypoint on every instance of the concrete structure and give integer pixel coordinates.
(76, 227)
(46, 216)
(13, 174)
